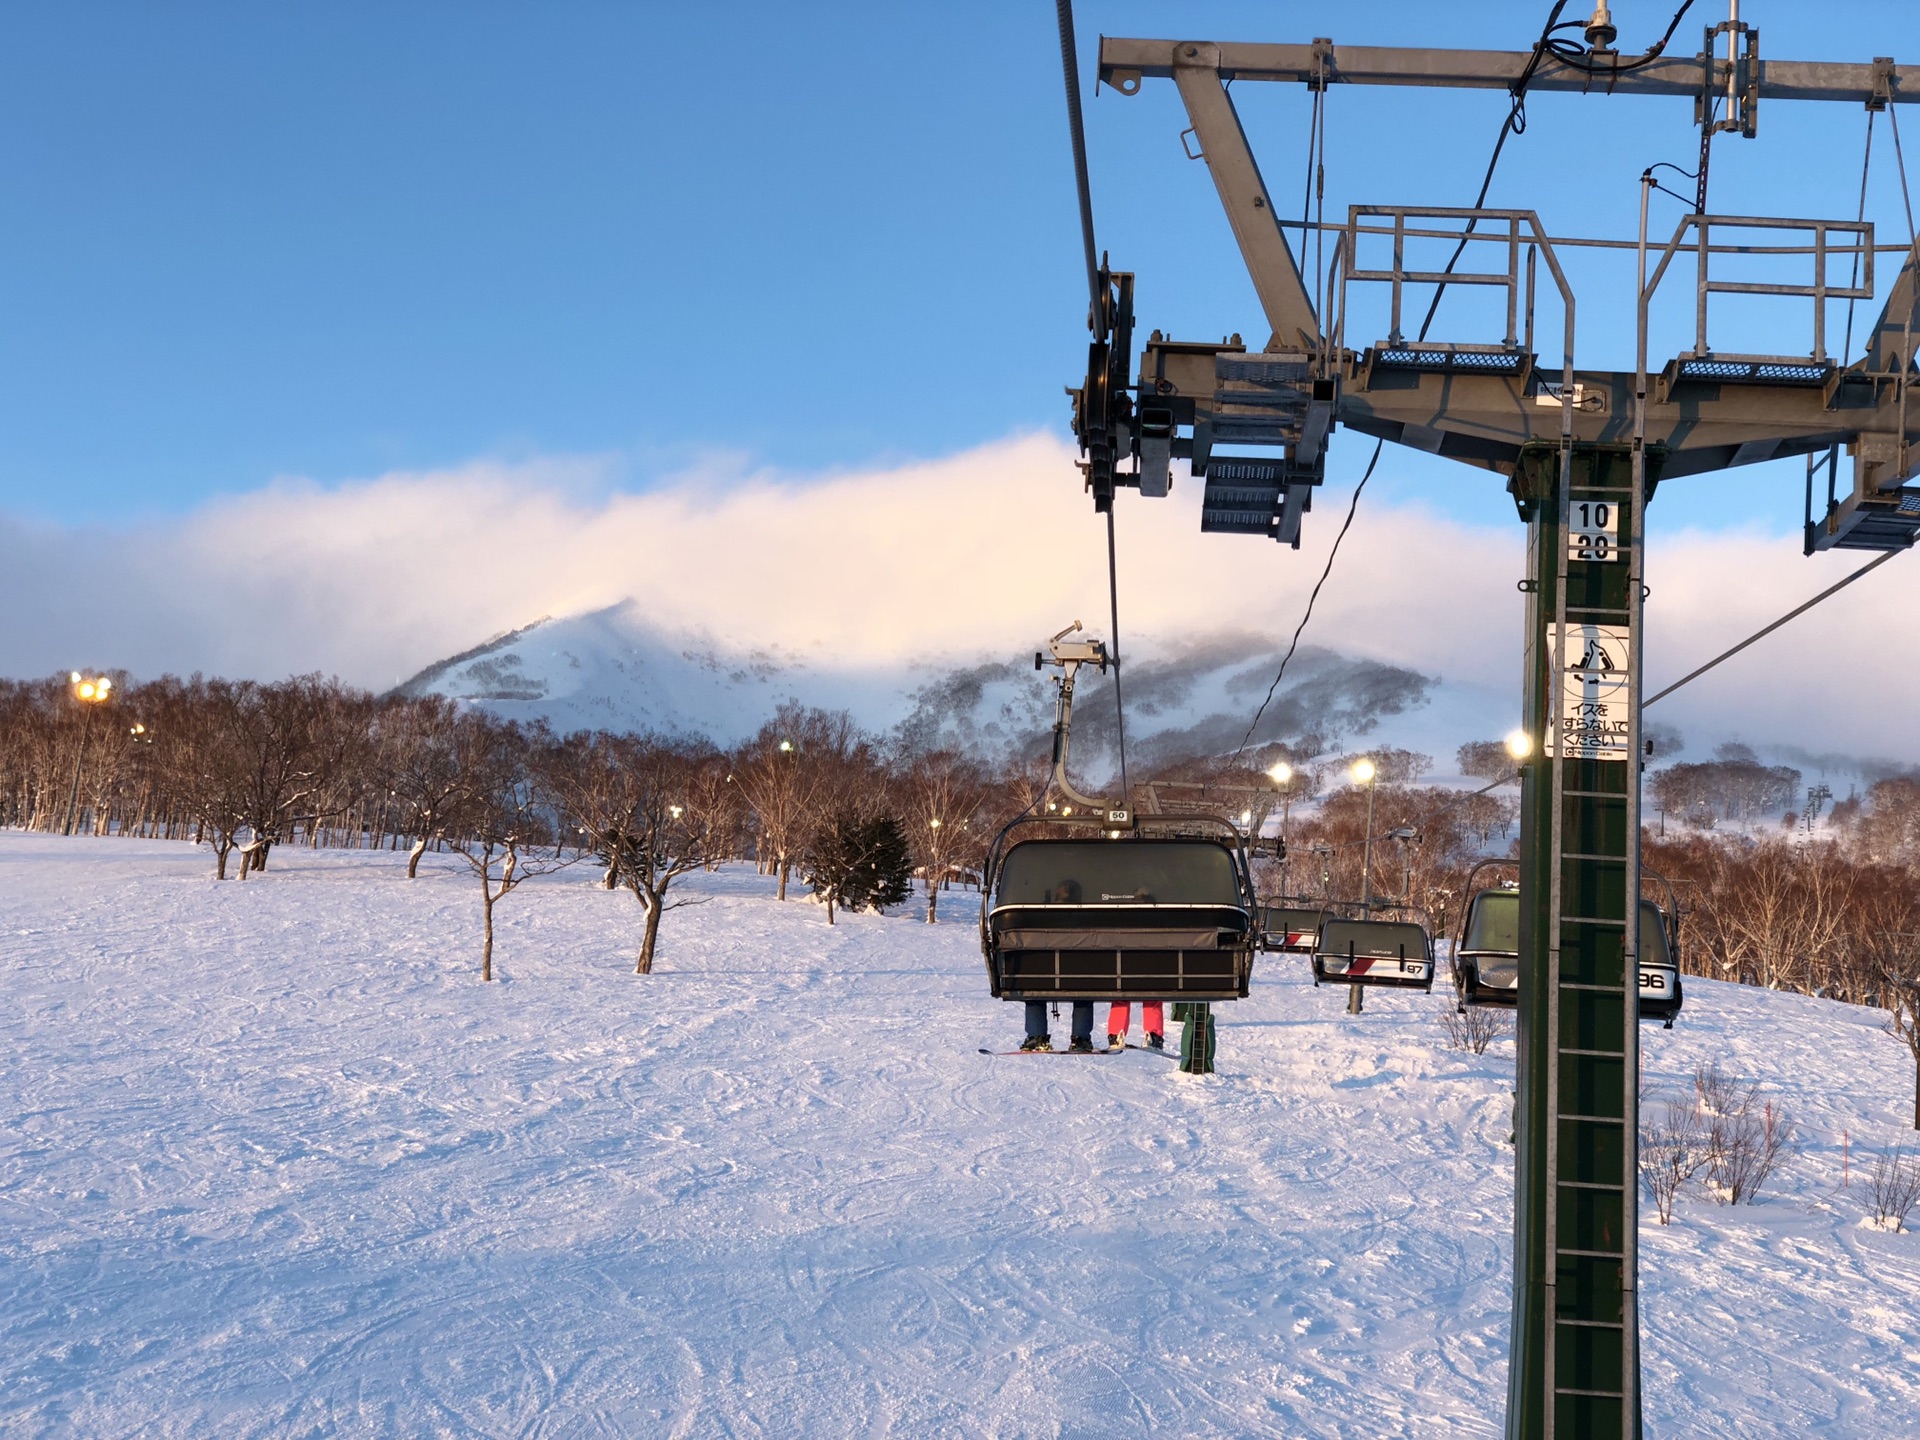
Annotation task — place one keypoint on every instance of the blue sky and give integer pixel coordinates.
(332, 241)
(344, 336)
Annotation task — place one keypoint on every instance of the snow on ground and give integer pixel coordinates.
(276, 1163)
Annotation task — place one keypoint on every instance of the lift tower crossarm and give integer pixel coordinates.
(1223, 144)
(1124, 62)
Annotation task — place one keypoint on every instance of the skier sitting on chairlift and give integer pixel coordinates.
(1067, 892)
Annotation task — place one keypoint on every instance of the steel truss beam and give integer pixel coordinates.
(1124, 63)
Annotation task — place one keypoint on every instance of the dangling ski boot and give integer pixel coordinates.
(1037, 1042)
(1156, 1041)
(1081, 1045)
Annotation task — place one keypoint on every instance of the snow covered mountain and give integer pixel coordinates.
(614, 669)
(277, 1163)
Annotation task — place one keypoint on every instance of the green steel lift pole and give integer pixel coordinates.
(1574, 1361)
(1582, 454)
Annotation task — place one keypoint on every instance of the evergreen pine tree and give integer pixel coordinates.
(860, 863)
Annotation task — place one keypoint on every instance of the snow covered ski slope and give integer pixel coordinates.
(276, 1163)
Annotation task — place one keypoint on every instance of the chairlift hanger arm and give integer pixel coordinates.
(1125, 62)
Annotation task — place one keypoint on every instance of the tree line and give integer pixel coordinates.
(1833, 914)
(246, 767)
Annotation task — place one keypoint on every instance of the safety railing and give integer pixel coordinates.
(1695, 235)
(1517, 232)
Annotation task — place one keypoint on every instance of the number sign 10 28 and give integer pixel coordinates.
(1593, 530)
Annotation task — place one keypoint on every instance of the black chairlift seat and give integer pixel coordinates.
(1292, 929)
(1133, 917)
(1660, 993)
(1486, 963)
(1374, 952)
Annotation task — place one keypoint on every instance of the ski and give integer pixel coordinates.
(1145, 1049)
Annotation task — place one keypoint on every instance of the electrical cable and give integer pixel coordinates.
(1514, 124)
(1569, 54)
(1669, 165)
(1761, 634)
(1573, 56)
(1352, 506)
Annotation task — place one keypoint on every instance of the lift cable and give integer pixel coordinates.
(1097, 317)
(1873, 564)
(1119, 710)
(1070, 64)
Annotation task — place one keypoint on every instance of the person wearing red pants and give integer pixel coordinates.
(1120, 1018)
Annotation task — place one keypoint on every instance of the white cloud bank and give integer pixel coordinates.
(985, 552)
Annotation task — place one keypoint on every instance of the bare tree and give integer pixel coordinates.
(1485, 760)
(942, 794)
(417, 768)
(196, 728)
(503, 824)
(797, 770)
(1475, 1027)
(655, 809)
(1894, 1187)
(1901, 986)
(1673, 1149)
(1744, 1148)
(290, 740)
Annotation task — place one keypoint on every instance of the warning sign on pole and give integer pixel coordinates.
(1595, 693)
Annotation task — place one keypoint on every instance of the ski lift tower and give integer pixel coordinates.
(1581, 451)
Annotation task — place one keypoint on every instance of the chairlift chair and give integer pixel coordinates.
(1661, 995)
(1486, 957)
(1486, 960)
(1162, 909)
(1394, 953)
(1291, 929)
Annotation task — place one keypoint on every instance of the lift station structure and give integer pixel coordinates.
(1582, 452)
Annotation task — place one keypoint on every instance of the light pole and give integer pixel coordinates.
(90, 693)
(1325, 852)
(1282, 776)
(1406, 835)
(1363, 773)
